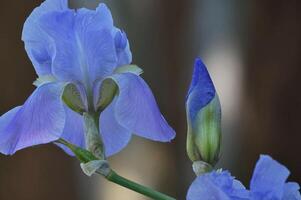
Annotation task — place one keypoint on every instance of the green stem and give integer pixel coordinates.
(85, 156)
(115, 178)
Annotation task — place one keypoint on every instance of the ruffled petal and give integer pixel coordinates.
(137, 110)
(291, 191)
(40, 120)
(217, 186)
(73, 131)
(268, 179)
(37, 42)
(115, 137)
(84, 46)
(203, 188)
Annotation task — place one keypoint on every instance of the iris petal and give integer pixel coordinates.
(122, 46)
(73, 130)
(203, 188)
(217, 186)
(37, 43)
(137, 110)
(291, 191)
(40, 120)
(84, 46)
(268, 178)
(115, 137)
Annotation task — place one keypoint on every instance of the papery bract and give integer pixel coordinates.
(83, 48)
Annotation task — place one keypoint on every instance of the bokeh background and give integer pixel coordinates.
(252, 50)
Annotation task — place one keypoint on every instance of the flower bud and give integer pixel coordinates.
(203, 117)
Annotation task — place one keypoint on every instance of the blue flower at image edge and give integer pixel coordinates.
(84, 48)
(268, 183)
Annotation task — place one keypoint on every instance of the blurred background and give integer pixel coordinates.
(252, 50)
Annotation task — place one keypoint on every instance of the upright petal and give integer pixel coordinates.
(268, 179)
(84, 46)
(217, 186)
(137, 110)
(115, 137)
(40, 120)
(124, 55)
(37, 43)
(73, 130)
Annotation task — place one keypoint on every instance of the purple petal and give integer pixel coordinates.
(124, 55)
(137, 110)
(203, 188)
(73, 131)
(84, 45)
(40, 120)
(37, 43)
(291, 191)
(268, 179)
(115, 137)
(217, 186)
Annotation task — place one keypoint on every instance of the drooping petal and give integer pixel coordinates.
(201, 90)
(84, 46)
(73, 130)
(115, 137)
(37, 43)
(137, 110)
(268, 178)
(217, 186)
(40, 120)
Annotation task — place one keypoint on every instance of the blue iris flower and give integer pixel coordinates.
(84, 48)
(268, 183)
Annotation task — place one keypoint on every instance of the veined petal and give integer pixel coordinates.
(217, 186)
(137, 110)
(37, 43)
(115, 137)
(268, 178)
(84, 46)
(201, 90)
(73, 130)
(40, 120)
(203, 188)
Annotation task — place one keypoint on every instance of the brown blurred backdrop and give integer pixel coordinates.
(252, 49)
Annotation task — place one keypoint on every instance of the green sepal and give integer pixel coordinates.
(72, 98)
(44, 79)
(204, 134)
(108, 90)
(128, 69)
(84, 156)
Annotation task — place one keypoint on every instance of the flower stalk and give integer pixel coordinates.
(85, 156)
(93, 139)
(115, 178)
